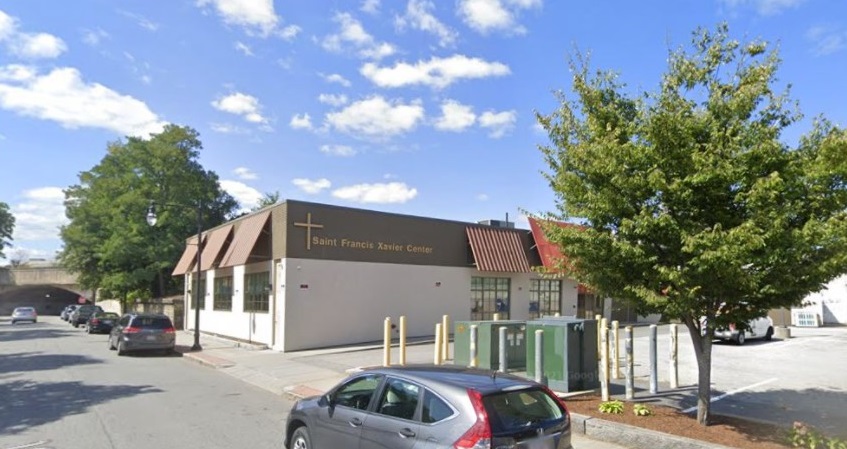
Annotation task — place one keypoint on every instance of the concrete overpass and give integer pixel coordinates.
(47, 288)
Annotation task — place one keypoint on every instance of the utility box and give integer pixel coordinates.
(488, 344)
(569, 350)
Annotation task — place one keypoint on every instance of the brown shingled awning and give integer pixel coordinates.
(497, 250)
(189, 257)
(214, 244)
(245, 238)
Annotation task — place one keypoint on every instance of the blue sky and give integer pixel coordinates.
(416, 106)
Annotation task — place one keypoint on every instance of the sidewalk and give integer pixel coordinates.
(307, 373)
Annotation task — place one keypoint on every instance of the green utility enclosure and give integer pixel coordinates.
(488, 344)
(569, 350)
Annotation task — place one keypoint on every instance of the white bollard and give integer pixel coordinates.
(436, 357)
(673, 356)
(403, 340)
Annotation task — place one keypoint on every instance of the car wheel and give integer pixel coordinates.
(740, 339)
(121, 350)
(14, 322)
(300, 439)
(769, 334)
(76, 324)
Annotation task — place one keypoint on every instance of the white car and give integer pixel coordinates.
(761, 327)
(24, 314)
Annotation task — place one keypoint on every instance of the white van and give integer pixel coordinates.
(761, 327)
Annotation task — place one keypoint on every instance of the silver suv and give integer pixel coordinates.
(430, 406)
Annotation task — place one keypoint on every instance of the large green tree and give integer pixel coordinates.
(108, 241)
(7, 227)
(694, 205)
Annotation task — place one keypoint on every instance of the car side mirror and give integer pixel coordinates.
(326, 400)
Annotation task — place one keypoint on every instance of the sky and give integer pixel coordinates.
(417, 107)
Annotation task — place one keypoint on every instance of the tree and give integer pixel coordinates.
(7, 227)
(268, 199)
(108, 241)
(692, 204)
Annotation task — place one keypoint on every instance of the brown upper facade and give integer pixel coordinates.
(297, 229)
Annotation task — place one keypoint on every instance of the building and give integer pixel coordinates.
(828, 306)
(299, 275)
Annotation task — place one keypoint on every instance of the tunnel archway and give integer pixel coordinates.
(47, 299)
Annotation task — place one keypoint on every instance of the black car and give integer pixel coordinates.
(143, 332)
(82, 314)
(101, 322)
(438, 407)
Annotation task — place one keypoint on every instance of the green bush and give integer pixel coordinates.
(614, 407)
(641, 410)
(804, 436)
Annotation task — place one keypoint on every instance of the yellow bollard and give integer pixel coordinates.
(616, 340)
(436, 358)
(403, 340)
(386, 342)
(445, 339)
(597, 318)
(496, 317)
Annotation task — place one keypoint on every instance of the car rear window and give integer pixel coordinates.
(24, 309)
(515, 410)
(152, 322)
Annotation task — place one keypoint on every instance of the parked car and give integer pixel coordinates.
(101, 322)
(66, 313)
(431, 406)
(82, 314)
(761, 327)
(143, 332)
(24, 314)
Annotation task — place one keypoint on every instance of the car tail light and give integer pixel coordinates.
(560, 402)
(132, 330)
(169, 330)
(95, 321)
(479, 435)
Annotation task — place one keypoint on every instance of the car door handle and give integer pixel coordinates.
(406, 433)
(355, 422)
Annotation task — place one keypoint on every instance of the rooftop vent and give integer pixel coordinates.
(497, 223)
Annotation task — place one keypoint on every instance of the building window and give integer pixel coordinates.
(257, 292)
(489, 296)
(545, 297)
(202, 290)
(223, 294)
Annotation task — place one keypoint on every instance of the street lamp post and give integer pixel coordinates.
(151, 220)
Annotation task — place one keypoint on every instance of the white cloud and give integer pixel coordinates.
(40, 215)
(94, 37)
(419, 17)
(436, 73)
(243, 48)
(495, 15)
(826, 41)
(765, 7)
(482, 197)
(8, 25)
(62, 96)
(455, 116)
(370, 6)
(312, 186)
(227, 128)
(377, 118)
(241, 104)
(353, 37)
(245, 174)
(335, 78)
(246, 196)
(257, 17)
(142, 21)
(498, 123)
(29, 45)
(333, 100)
(380, 193)
(301, 121)
(338, 150)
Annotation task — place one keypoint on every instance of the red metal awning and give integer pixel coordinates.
(188, 259)
(245, 239)
(214, 244)
(496, 249)
(550, 253)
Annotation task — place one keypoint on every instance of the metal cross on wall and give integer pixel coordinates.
(308, 225)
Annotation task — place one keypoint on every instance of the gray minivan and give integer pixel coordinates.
(143, 332)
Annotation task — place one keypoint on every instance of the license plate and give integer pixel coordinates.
(150, 338)
(107, 322)
(541, 443)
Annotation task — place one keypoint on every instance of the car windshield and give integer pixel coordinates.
(147, 322)
(516, 410)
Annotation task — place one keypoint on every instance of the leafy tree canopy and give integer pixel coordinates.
(108, 241)
(693, 204)
(7, 227)
(268, 199)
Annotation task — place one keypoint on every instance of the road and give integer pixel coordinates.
(62, 388)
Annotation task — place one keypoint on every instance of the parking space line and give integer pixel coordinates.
(730, 393)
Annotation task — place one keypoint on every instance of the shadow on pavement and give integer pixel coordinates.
(34, 361)
(32, 331)
(27, 404)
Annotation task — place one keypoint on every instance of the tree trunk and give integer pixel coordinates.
(703, 353)
(161, 284)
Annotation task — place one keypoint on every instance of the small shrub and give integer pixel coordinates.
(613, 407)
(641, 410)
(806, 437)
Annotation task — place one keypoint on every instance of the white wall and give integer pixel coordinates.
(329, 303)
(830, 303)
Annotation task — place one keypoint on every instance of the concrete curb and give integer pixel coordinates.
(631, 436)
(207, 360)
